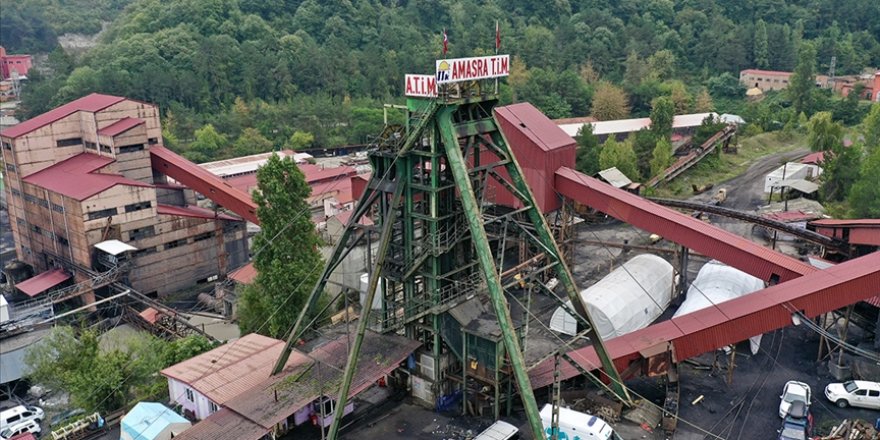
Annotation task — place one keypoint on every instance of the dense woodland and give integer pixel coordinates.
(323, 68)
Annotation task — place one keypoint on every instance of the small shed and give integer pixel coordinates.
(152, 421)
(540, 147)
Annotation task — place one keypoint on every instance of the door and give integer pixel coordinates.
(860, 398)
(873, 400)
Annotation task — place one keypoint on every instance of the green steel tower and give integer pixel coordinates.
(428, 196)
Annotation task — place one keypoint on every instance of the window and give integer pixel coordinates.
(7, 145)
(204, 236)
(144, 252)
(102, 213)
(152, 141)
(861, 393)
(36, 229)
(62, 240)
(190, 395)
(15, 192)
(874, 393)
(106, 148)
(10, 167)
(137, 234)
(137, 206)
(130, 148)
(213, 407)
(175, 243)
(91, 145)
(69, 142)
(57, 208)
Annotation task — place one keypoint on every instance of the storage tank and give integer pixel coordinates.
(629, 298)
(716, 283)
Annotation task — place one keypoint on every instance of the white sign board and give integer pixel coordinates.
(421, 86)
(470, 69)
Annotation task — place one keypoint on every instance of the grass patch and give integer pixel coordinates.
(718, 168)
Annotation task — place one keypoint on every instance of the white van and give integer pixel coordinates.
(20, 414)
(499, 430)
(31, 426)
(574, 424)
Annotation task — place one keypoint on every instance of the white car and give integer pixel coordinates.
(859, 393)
(792, 392)
(20, 414)
(31, 426)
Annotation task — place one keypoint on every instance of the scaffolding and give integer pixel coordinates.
(429, 201)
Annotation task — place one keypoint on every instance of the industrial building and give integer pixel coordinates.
(81, 174)
(764, 80)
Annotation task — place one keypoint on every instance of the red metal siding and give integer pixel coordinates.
(540, 147)
(702, 237)
(167, 162)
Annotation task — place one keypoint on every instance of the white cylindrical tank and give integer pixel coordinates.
(716, 283)
(364, 286)
(629, 298)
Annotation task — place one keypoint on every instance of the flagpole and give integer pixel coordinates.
(497, 43)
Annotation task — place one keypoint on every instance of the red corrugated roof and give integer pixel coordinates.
(43, 282)
(193, 211)
(244, 274)
(77, 177)
(231, 369)
(535, 125)
(765, 72)
(315, 173)
(875, 301)
(91, 103)
(120, 126)
(150, 315)
(24, 436)
(789, 216)
(814, 158)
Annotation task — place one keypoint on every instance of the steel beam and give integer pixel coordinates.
(487, 264)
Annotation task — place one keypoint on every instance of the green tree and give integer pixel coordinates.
(207, 145)
(588, 147)
(871, 128)
(287, 259)
(661, 157)
(864, 196)
(620, 155)
(610, 103)
(643, 143)
(662, 64)
(662, 114)
(680, 97)
(841, 167)
(725, 85)
(250, 142)
(300, 140)
(761, 50)
(802, 84)
(823, 134)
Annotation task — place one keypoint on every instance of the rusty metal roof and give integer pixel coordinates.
(223, 425)
(77, 177)
(306, 379)
(244, 274)
(35, 285)
(700, 236)
(539, 129)
(91, 103)
(120, 126)
(229, 370)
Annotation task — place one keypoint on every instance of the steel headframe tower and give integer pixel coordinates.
(427, 194)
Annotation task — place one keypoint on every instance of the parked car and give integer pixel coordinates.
(31, 426)
(19, 414)
(794, 429)
(793, 391)
(859, 393)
